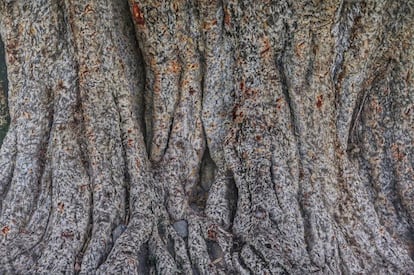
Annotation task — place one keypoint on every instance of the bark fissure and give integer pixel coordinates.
(4, 110)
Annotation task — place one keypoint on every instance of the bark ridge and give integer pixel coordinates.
(207, 137)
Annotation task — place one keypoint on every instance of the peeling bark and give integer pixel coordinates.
(207, 137)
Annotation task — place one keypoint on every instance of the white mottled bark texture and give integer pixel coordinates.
(207, 137)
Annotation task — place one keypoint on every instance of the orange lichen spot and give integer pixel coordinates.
(130, 142)
(11, 59)
(193, 66)
(12, 45)
(238, 115)
(175, 6)
(242, 85)
(21, 28)
(5, 230)
(33, 31)
(227, 17)
(175, 67)
(137, 14)
(377, 107)
(83, 73)
(265, 51)
(266, 46)
(251, 93)
(397, 154)
(185, 82)
(88, 9)
(299, 48)
(209, 24)
(319, 101)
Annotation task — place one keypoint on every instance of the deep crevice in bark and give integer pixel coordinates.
(208, 171)
(4, 111)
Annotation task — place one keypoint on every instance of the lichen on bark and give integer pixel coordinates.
(207, 137)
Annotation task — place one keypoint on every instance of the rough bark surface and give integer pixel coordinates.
(4, 114)
(207, 137)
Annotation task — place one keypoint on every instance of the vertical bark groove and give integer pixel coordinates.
(4, 112)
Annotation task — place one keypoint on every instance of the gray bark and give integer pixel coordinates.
(4, 114)
(207, 137)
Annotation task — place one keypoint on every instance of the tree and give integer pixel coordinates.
(207, 137)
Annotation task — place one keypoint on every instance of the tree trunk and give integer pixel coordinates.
(4, 114)
(207, 137)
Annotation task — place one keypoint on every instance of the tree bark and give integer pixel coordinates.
(4, 114)
(207, 137)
